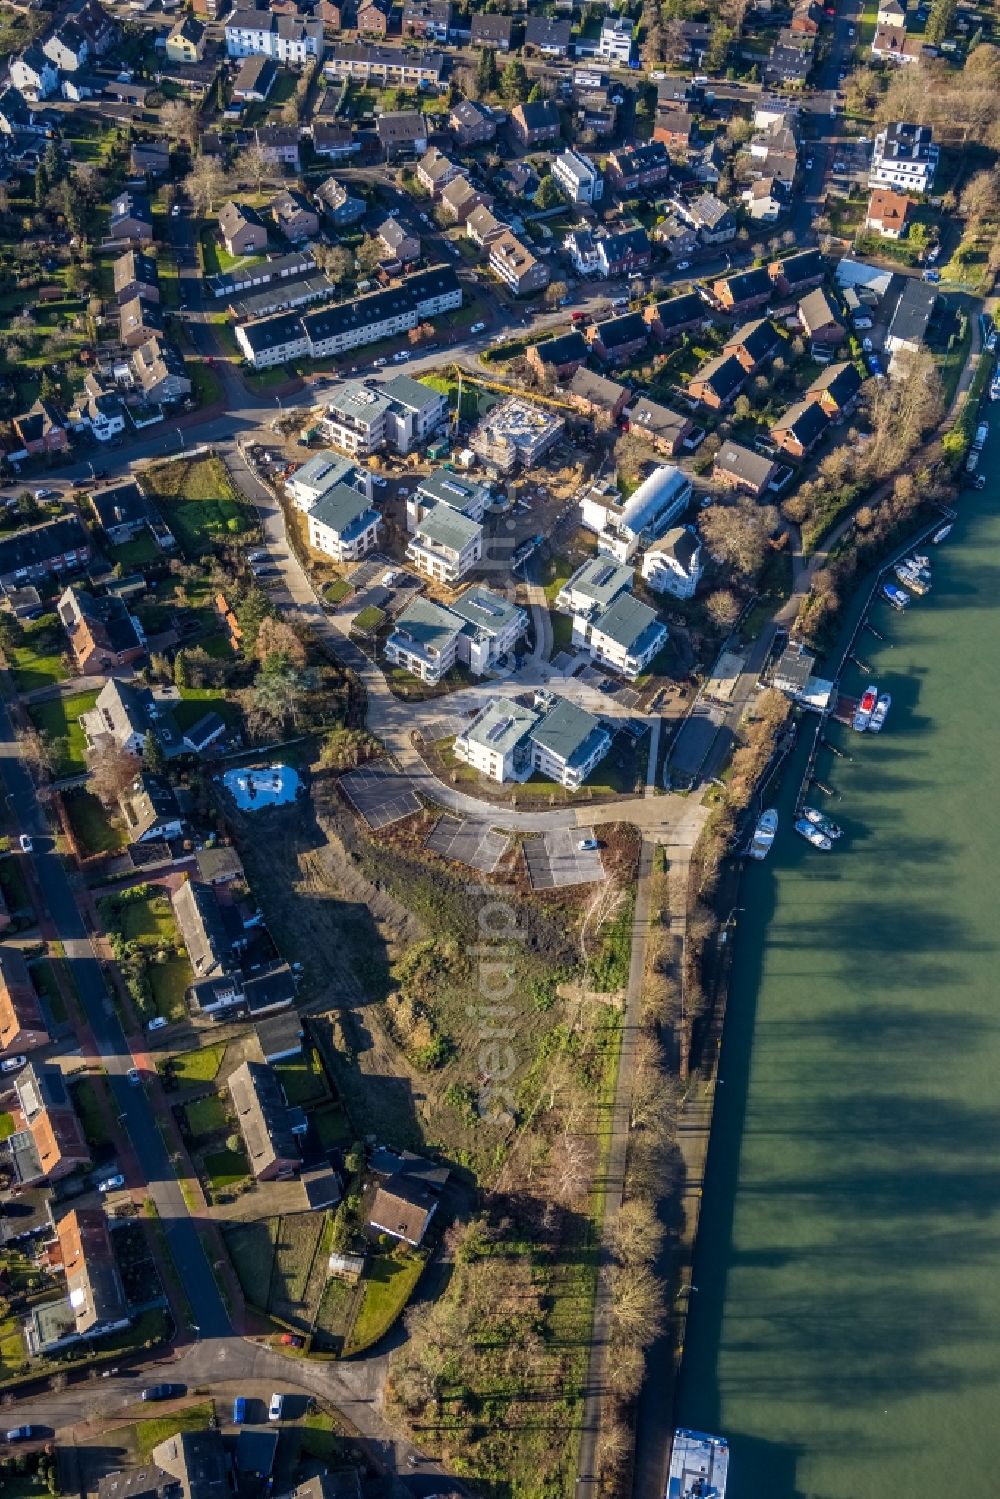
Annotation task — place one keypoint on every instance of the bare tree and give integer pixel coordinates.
(637, 1301)
(253, 165)
(638, 1234)
(276, 638)
(723, 608)
(111, 771)
(205, 183)
(180, 122)
(739, 533)
(37, 752)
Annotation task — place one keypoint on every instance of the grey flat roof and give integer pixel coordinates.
(487, 610)
(568, 732)
(340, 508)
(600, 580)
(629, 623)
(502, 724)
(427, 625)
(448, 527)
(445, 488)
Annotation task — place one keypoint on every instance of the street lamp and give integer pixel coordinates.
(180, 435)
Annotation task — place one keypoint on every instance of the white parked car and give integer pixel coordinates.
(25, 843)
(379, 363)
(401, 357)
(378, 481)
(587, 845)
(112, 1184)
(12, 1064)
(477, 328)
(403, 489)
(867, 345)
(850, 31)
(275, 1408)
(390, 577)
(135, 1077)
(840, 166)
(684, 265)
(809, 163)
(157, 1023)
(175, 211)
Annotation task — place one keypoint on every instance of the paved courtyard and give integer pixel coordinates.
(555, 859)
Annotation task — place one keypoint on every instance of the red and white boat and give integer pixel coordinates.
(865, 709)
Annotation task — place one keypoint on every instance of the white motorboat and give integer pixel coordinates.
(812, 835)
(763, 834)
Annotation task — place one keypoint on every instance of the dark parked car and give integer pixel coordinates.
(163, 1391)
(20, 1433)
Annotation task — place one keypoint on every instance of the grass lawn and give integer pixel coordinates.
(318, 1438)
(6, 1125)
(59, 719)
(197, 701)
(198, 1066)
(562, 631)
(206, 1116)
(201, 504)
(15, 891)
(331, 1125)
(368, 621)
(205, 387)
(136, 553)
(150, 922)
(389, 1283)
(12, 1349)
(225, 1167)
(251, 1249)
(150, 1434)
(37, 662)
(87, 1102)
(169, 982)
(44, 979)
(336, 591)
(303, 1079)
(93, 829)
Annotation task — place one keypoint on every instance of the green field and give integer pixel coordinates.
(303, 1078)
(37, 660)
(93, 829)
(58, 718)
(846, 1334)
(388, 1284)
(198, 1066)
(225, 1167)
(206, 1116)
(200, 502)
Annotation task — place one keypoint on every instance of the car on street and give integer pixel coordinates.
(275, 1408)
(13, 1064)
(25, 844)
(809, 163)
(163, 1391)
(684, 265)
(111, 1185)
(20, 1433)
(875, 364)
(477, 327)
(401, 357)
(867, 345)
(933, 277)
(850, 31)
(46, 494)
(175, 211)
(379, 363)
(587, 845)
(839, 166)
(157, 1023)
(134, 1076)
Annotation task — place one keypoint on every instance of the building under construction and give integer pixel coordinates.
(515, 432)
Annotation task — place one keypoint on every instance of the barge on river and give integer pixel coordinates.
(699, 1466)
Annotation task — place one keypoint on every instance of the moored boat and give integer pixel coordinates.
(865, 709)
(995, 387)
(812, 835)
(881, 713)
(912, 579)
(941, 535)
(763, 834)
(825, 824)
(897, 598)
(921, 562)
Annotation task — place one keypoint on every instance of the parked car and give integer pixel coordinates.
(809, 163)
(378, 481)
(13, 1064)
(25, 843)
(389, 577)
(276, 1407)
(239, 1410)
(46, 494)
(684, 265)
(292, 1340)
(402, 356)
(587, 845)
(933, 277)
(379, 363)
(134, 1076)
(867, 345)
(20, 1433)
(111, 1185)
(477, 327)
(163, 1391)
(157, 1023)
(875, 364)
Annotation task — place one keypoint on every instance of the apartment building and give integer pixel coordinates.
(622, 526)
(593, 587)
(515, 265)
(445, 544)
(515, 432)
(673, 564)
(424, 640)
(498, 741)
(491, 627)
(577, 177)
(285, 38)
(446, 488)
(401, 67)
(568, 744)
(904, 157)
(343, 524)
(625, 636)
(363, 418)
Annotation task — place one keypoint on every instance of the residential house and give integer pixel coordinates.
(623, 526)
(597, 396)
(763, 203)
(806, 18)
(788, 65)
(471, 124)
(674, 130)
(399, 246)
(243, 231)
(799, 429)
(891, 13)
(460, 199)
(559, 358)
(40, 430)
(67, 47)
(257, 76)
(820, 320)
(211, 933)
(673, 564)
(29, 555)
(372, 17)
(665, 430)
(102, 633)
(430, 20)
(286, 38)
(22, 1020)
(714, 221)
(893, 44)
(888, 213)
(196, 1462)
(905, 156)
(130, 219)
(343, 524)
(743, 291)
(754, 344)
(337, 204)
(16, 118)
(100, 29)
(424, 640)
(837, 388)
(534, 124)
(136, 275)
(264, 1121)
(158, 368)
(52, 1143)
(497, 742)
(279, 145)
(718, 382)
(577, 177)
(621, 254)
(581, 247)
(624, 637)
(908, 326)
(615, 44)
(150, 810)
(797, 273)
(186, 40)
(568, 744)
(738, 467)
(138, 321)
(99, 409)
(435, 170)
(94, 1290)
(676, 315)
(294, 216)
(33, 74)
(402, 133)
(482, 227)
(515, 265)
(638, 168)
(320, 473)
(122, 716)
(403, 1210)
(445, 544)
(491, 30)
(617, 340)
(386, 67)
(550, 38)
(334, 140)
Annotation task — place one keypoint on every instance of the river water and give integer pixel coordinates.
(845, 1331)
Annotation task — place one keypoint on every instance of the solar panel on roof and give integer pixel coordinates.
(498, 730)
(605, 575)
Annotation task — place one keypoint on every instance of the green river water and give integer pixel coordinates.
(845, 1331)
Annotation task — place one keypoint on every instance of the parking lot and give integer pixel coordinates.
(445, 724)
(556, 859)
(470, 843)
(372, 593)
(380, 794)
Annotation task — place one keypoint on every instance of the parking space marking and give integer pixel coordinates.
(470, 843)
(380, 794)
(555, 859)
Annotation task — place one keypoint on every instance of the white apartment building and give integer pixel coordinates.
(290, 39)
(622, 527)
(568, 744)
(355, 419)
(905, 157)
(343, 525)
(625, 637)
(673, 564)
(594, 587)
(615, 45)
(424, 640)
(446, 544)
(498, 741)
(577, 177)
(491, 627)
(320, 473)
(445, 488)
